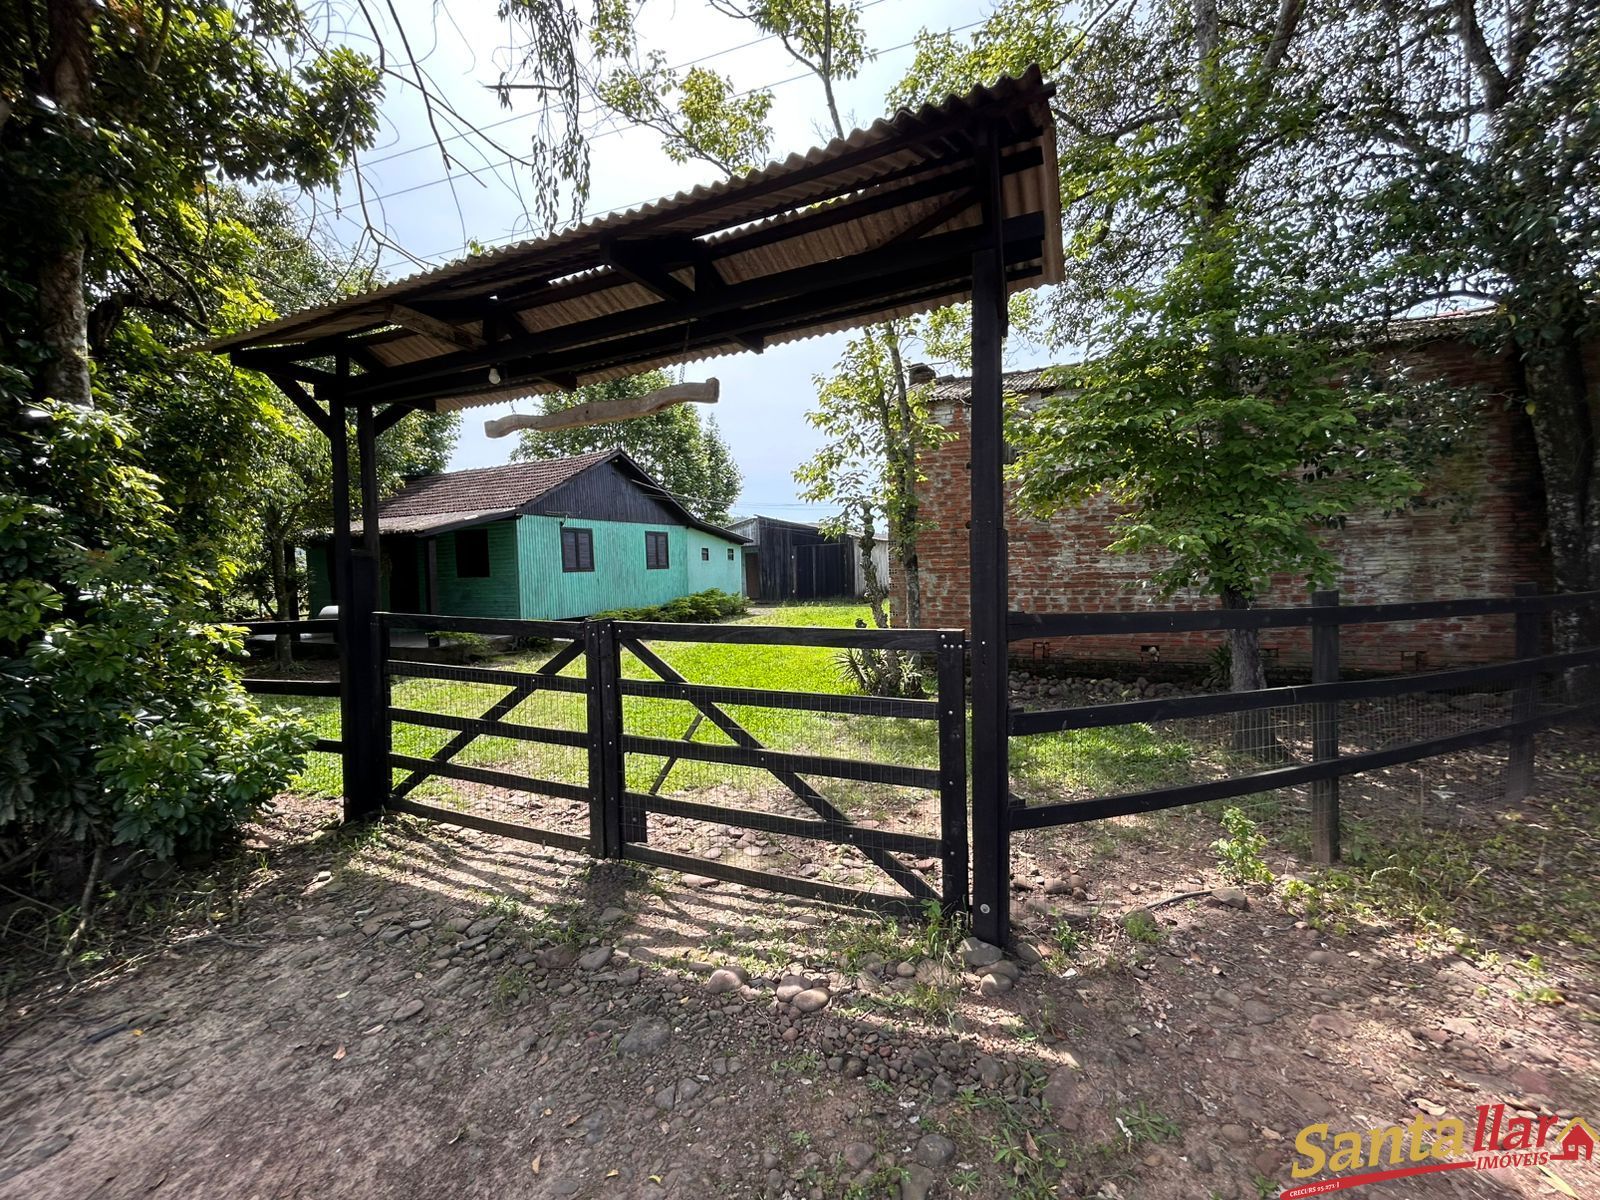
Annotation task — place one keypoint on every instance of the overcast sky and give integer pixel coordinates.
(409, 193)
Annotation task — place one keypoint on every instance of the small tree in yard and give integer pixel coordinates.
(876, 424)
(1228, 448)
(1217, 408)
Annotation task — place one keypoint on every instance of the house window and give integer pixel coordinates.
(730, 553)
(577, 549)
(655, 550)
(705, 553)
(472, 554)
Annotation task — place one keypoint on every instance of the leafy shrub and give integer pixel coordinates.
(122, 720)
(1240, 852)
(893, 673)
(702, 608)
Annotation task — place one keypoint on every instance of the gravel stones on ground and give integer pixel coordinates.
(725, 979)
(977, 953)
(811, 1000)
(645, 1036)
(594, 958)
(933, 1150)
(858, 1155)
(996, 985)
(916, 1182)
(556, 957)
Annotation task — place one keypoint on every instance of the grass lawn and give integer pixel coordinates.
(1122, 758)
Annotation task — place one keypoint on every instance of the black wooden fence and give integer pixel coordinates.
(617, 816)
(298, 631)
(1326, 691)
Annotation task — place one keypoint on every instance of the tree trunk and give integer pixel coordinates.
(283, 600)
(63, 314)
(1566, 429)
(64, 323)
(902, 455)
(1252, 731)
(882, 667)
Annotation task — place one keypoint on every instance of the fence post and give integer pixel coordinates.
(631, 820)
(1524, 701)
(605, 739)
(952, 698)
(989, 581)
(383, 734)
(1325, 729)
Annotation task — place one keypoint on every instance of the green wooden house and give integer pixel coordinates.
(541, 541)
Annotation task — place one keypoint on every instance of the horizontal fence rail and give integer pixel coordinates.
(1022, 626)
(307, 688)
(864, 706)
(1171, 708)
(822, 636)
(258, 628)
(501, 626)
(1037, 816)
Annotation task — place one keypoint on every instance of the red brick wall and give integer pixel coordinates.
(1478, 547)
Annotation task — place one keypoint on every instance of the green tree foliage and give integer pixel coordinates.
(1479, 132)
(699, 114)
(1220, 405)
(122, 718)
(677, 446)
(877, 424)
(823, 37)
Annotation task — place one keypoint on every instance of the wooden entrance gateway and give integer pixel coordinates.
(951, 203)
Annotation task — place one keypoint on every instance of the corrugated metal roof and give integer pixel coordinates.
(1017, 383)
(899, 182)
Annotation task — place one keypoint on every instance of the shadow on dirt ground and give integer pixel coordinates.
(404, 1010)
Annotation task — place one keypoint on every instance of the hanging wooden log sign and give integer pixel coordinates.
(601, 412)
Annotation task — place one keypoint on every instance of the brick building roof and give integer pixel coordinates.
(1400, 331)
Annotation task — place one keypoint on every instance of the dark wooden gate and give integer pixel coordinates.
(574, 752)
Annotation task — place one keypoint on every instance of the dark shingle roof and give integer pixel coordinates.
(485, 489)
(438, 503)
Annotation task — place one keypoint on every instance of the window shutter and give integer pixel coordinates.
(577, 549)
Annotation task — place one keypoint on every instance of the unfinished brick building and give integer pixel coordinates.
(1488, 537)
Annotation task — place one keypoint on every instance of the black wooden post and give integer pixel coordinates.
(951, 668)
(366, 732)
(630, 823)
(1524, 701)
(607, 828)
(990, 593)
(1325, 729)
(344, 596)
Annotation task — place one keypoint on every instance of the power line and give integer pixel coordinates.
(452, 252)
(423, 147)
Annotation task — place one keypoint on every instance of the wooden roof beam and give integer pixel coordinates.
(420, 322)
(872, 267)
(926, 280)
